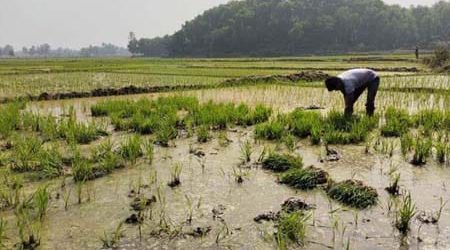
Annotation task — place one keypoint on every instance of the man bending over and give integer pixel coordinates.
(352, 83)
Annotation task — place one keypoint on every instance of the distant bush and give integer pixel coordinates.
(440, 57)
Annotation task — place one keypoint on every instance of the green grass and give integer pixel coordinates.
(353, 193)
(280, 163)
(292, 227)
(405, 212)
(273, 130)
(397, 122)
(304, 178)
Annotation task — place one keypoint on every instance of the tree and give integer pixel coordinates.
(295, 27)
(8, 50)
(133, 43)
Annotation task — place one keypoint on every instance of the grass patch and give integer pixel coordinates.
(280, 163)
(397, 123)
(354, 194)
(304, 178)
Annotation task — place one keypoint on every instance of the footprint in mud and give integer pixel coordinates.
(198, 232)
(218, 212)
(140, 203)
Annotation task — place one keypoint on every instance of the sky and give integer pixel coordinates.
(79, 23)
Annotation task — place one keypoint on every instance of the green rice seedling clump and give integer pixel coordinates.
(131, 149)
(51, 162)
(405, 212)
(82, 169)
(430, 120)
(422, 150)
(26, 153)
(354, 194)
(273, 130)
(397, 123)
(280, 163)
(203, 134)
(304, 178)
(302, 123)
(340, 129)
(9, 118)
(292, 227)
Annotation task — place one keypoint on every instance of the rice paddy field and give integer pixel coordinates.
(221, 154)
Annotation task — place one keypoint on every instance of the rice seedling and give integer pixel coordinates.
(273, 130)
(165, 133)
(131, 149)
(51, 162)
(9, 120)
(239, 174)
(203, 134)
(405, 212)
(79, 189)
(149, 150)
(281, 163)
(3, 237)
(339, 129)
(442, 205)
(82, 169)
(110, 240)
(79, 132)
(106, 158)
(304, 178)
(430, 120)
(394, 188)
(303, 123)
(10, 191)
(422, 149)
(223, 138)
(289, 141)
(25, 156)
(41, 200)
(406, 143)
(246, 151)
(442, 148)
(353, 193)
(397, 122)
(292, 227)
(175, 173)
(66, 197)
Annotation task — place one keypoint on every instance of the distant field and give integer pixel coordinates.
(35, 76)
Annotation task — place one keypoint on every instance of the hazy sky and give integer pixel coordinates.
(77, 23)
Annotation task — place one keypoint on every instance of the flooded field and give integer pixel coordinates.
(229, 167)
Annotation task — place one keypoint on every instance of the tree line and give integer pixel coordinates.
(45, 50)
(298, 27)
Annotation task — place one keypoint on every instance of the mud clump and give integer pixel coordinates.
(218, 212)
(427, 218)
(294, 205)
(174, 183)
(353, 193)
(134, 219)
(291, 205)
(199, 232)
(269, 216)
(140, 203)
(304, 178)
(307, 76)
(281, 163)
(332, 155)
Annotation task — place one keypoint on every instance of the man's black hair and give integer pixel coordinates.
(332, 83)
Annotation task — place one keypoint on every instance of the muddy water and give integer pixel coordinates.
(332, 225)
(214, 186)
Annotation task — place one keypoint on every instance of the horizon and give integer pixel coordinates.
(80, 27)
